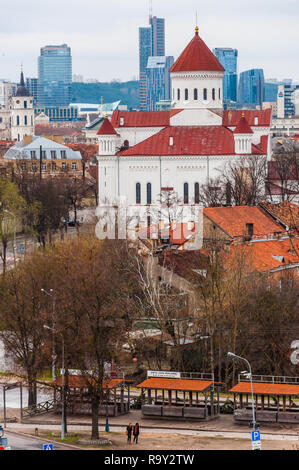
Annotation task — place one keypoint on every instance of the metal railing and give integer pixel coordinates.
(270, 379)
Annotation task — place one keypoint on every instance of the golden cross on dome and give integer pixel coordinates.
(196, 22)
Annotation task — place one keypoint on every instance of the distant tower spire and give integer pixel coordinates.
(196, 23)
(150, 9)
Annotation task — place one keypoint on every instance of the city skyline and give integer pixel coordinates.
(105, 44)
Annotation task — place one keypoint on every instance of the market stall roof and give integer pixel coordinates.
(76, 381)
(190, 385)
(266, 388)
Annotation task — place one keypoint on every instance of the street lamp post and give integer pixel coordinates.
(234, 356)
(62, 382)
(51, 294)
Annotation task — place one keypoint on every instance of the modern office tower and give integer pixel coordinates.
(158, 36)
(228, 58)
(7, 90)
(289, 102)
(55, 76)
(251, 88)
(271, 90)
(151, 43)
(32, 85)
(145, 50)
(158, 80)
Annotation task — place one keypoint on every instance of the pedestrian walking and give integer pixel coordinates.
(136, 433)
(129, 432)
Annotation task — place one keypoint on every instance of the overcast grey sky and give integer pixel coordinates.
(103, 34)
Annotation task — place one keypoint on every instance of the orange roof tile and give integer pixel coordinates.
(176, 384)
(233, 220)
(266, 388)
(269, 255)
(285, 212)
(76, 381)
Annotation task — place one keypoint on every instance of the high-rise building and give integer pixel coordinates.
(228, 58)
(158, 80)
(151, 43)
(55, 76)
(157, 36)
(251, 88)
(32, 85)
(7, 90)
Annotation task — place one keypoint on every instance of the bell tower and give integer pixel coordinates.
(22, 112)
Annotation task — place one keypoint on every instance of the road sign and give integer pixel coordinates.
(48, 447)
(256, 440)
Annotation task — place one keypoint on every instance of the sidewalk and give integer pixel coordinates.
(221, 424)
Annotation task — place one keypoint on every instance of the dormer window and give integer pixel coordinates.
(121, 121)
(171, 140)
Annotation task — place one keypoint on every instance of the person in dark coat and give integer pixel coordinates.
(136, 433)
(129, 432)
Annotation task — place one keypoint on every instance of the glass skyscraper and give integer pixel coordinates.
(158, 80)
(32, 85)
(251, 88)
(228, 58)
(151, 43)
(55, 76)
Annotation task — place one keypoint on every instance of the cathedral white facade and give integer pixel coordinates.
(142, 153)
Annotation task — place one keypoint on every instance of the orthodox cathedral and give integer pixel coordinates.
(144, 152)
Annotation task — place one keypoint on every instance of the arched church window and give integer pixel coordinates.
(213, 94)
(205, 94)
(148, 193)
(138, 193)
(196, 193)
(179, 94)
(186, 193)
(25, 120)
(18, 120)
(195, 94)
(186, 94)
(219, 93)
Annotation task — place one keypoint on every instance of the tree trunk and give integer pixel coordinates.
(95, 418)
(32, 392)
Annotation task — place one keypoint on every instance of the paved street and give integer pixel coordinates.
(18, 442)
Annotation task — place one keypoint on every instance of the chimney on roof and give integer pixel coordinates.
(249, 231)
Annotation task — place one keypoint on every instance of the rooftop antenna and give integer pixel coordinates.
(150, 9)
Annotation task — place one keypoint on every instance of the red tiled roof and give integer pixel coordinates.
(285, 212)
(232, 117)
(106, 128)
(197, 56)
(277, 172)
(184, 263)
(143, 118)
(266, 388)
(76, 381)
(268, 255)
(243, 126)
(176, 384)
(187, 140)
(233, 220)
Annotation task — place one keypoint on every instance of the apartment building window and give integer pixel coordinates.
(53, 154)
(44, 166)
(74, 166)
(24, 167)
(63, 153)
(33, 154)
(63, 166)
(34, 167)
(44, 155)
